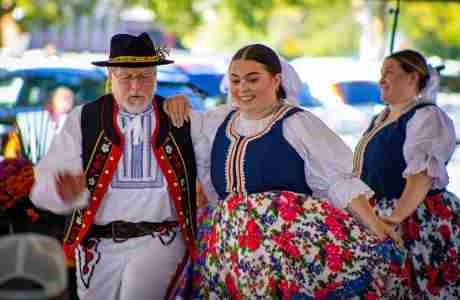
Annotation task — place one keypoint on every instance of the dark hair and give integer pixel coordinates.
(265, 56)
(413, 61)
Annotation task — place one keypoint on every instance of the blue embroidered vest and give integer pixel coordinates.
(383, 161)
(259, 163)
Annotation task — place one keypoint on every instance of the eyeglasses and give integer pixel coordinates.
(127, 78)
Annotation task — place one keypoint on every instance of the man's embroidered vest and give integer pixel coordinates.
(102, 147)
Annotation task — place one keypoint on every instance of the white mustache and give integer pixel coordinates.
(136, 95)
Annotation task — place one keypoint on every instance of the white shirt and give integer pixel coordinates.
(328, 160)
(430, 143)
(139, 195)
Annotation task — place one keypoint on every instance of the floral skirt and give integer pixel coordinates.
(283, 245)
(431, 268)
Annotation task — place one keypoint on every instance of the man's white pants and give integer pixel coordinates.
(137, 269)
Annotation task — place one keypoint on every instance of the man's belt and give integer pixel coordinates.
(121, 231)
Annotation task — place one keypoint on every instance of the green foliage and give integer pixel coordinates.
(294, 27)
(39, 12)
(326, 29)
(47, 12)
(180, 17)
(433, 27)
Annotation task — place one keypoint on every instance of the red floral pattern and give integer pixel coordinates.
(282, 245)
(16, 181)
(432, 242)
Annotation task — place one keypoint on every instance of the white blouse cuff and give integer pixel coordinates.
(433, 166)
(343, 191)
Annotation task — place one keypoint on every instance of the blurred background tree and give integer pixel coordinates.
(294, 27)
(433, 27)
(27, 14)
(181, 17)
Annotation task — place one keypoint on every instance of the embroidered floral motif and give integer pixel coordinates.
(105, 148)
(94, 170)
(430, 268)
(277, 245)
(88, 257)
(91, 181)
(168, 149)
(96, 165)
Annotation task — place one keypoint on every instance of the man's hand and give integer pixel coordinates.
(178, 109)
(69, 186)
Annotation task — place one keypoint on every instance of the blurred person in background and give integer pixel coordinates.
(25, 147)
(132, 221)
(403, 156)
(61, 103)
(284, 207)
(35, 130)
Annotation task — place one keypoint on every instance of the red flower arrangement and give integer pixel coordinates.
(16, 181)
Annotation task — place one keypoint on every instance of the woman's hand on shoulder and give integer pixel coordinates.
(178, 109)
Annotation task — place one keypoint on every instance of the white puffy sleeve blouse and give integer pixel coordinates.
(328, 160)
(429, 144)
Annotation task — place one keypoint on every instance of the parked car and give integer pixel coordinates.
(204, 77)
(358, 93)
(29, 89)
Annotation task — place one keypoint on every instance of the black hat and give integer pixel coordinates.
(133, 51)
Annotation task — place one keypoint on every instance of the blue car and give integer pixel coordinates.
(357, 93)
(29, 89)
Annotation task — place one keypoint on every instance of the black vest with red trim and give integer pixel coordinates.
(102, 146)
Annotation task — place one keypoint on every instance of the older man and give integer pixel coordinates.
(129, 178)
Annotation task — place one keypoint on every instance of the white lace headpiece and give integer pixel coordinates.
(430, 91)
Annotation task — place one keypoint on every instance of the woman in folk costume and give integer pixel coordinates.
(403, 157)
(279, 179)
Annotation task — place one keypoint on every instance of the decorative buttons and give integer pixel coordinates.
(105, 148)
(168, 149)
